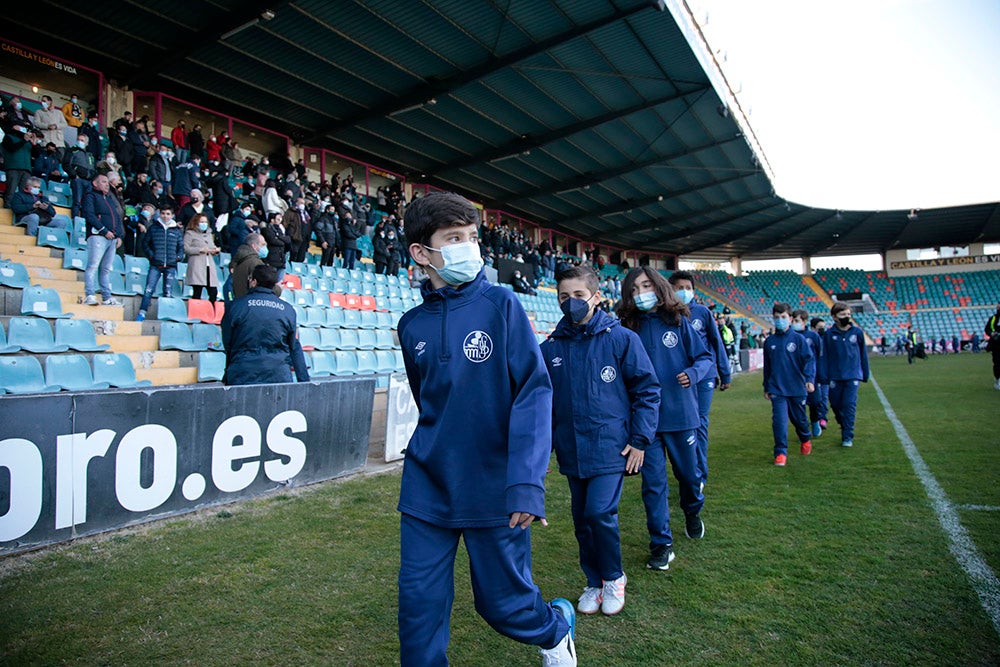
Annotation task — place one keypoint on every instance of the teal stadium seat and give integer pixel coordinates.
(211, 366)
(366, 339)
(5, 347)
(34, 335)
(23, 375)
(78, 335)
(172, 308)
(75, 258)
(384, 339)
(54, 237)
(367, 362)
(14, 275)
(116, 370)
(349, 339)
(206, 336)
(71, 372)
(177, 336)
(385, 360)
(345, 363)
(323, 364)
(309, 338)
(42, 302)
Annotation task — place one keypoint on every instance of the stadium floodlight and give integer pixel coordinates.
(912, 215)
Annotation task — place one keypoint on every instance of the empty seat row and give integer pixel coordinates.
(23, 375)
(359, 362)
(34, 334)
(315, 318)
(346, 339)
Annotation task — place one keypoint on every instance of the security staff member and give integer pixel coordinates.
(259, 332)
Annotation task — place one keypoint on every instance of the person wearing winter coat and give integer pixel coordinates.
(200, 248)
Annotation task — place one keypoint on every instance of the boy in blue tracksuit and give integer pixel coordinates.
(606, 402)
(476, 463)
(703, 322)
(650, 308)
(819, 398)
(814, 399)
(789, 376)
(844, 365)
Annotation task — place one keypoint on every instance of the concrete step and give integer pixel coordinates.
(6, 216)
(26, 248)
(156, 359)
(64, 275)
(9, 232)
(30, 260)
(168, 376)
(73, 303)
(126, 343)
(62, 286)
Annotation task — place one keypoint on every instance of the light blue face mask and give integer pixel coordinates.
(685, 295)
(781, 325)
(798, 326)
(462, 262)
(262, 252)
(646, 301)
(203, 226)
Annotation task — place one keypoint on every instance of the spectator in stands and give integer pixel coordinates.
(200, 248)
(817, 401)
(46, 165)
(160, 167)
(213, 151)
(16, 152)
(105, 230)
(75, 117)
(196, 206)
(521, 284)
(260, 335)
(223, 200)
(601, 435)
(196, 142)
(138, 189)
(384, 250)
(650, 308)
(186, 179)
(117, 190)
(109, 164)
(81, 167)
(789, 376)
(241, 223)
(349, 234)
(251, 254)
(93, 134)
(271, 201)
(278, 243)
(33, 210)
(844, 364)
(164, 247)
(121, 148)
(298, 220)
(141, 145)
(178, 137)
(449, 490)
(327, 230)
(51, 122)
(992, 331)
(135, 230)
(18, 115)
(702, 321)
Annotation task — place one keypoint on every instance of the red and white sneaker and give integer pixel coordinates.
(614, 596)
(806, 448)
(590, 601)
(780, 460)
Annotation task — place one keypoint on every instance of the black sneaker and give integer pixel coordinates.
(694, 527)
(660, 556)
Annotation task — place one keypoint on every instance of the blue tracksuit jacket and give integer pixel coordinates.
(788, 364)
(673, 349)
(605, 395)
(261, 339)
(845, 356)
(484, 436)
(704, 324)
(815, 343)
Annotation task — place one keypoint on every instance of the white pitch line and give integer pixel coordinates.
(984, 580)
(979, 508)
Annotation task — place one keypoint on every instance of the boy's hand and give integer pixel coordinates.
(724, 386)
(634, 459)
(524, 520)
(683, 379)
(810, 387)
(767, 396)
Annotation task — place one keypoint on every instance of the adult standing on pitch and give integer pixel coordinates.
(701, 320)
(992, 331)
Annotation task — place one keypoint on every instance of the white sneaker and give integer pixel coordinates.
(590, 601)
(614, 596)
(562, 654)
(112, 302)
(91, 300)
(996, 385)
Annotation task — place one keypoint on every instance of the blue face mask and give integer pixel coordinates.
(262, 252)
(781, 325)
(462, 262)
(646, 301)
(147, 214)
(798, 326)
(203, 226)
(34, 191)
(685, 295)
(575, 309)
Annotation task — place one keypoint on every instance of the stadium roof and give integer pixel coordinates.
(587, 116)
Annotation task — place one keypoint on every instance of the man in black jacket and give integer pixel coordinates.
(260, 335)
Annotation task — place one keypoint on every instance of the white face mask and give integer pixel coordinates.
(462, 262)
(646, 301)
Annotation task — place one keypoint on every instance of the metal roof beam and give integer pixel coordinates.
(528, 142)
(993, 217)
(838, 236)
(787, 237)
(423, 93)
(733, 237)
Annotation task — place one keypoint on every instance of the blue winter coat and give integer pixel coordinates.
(788, 364)
(185, 179)
(675, 349)
(605, 395)
(704, 323)
(845, 356)
(102, 214)
(484, 436)
(164, 245)
(260, 334)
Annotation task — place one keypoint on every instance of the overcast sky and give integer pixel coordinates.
(868, 104)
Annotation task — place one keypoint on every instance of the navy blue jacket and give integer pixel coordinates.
(815, 342)
(22, 203)
(845, 356)
(484, 436)
(185, 179)
(238, 231)
(704, 323)
(788, 364)
(675, 349)
(605, 395)
(260, 334)
(102, 214)
(164, 245)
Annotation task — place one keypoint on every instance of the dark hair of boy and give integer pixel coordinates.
(800, 314)
(668, 306)
(838, 307)
(583, 272)
(435, 211)
(814, 321)
(780, 307)
(265, 275)
(680, 275)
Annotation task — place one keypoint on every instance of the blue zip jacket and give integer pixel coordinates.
(703, 322)
(605, 395)
(102, 214)
(788, 364)
(845, 356)
(484, 436)
(815, 342)
(185, 179)
(164, 245)
(675, 349)
(260, 335)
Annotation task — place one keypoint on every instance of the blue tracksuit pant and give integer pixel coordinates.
(681, 447)
(505, 596)
(844, 403)
(706, 390)
(783, 409)
(817, 402)
(595, 520)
